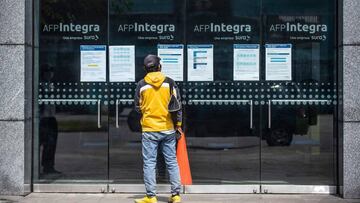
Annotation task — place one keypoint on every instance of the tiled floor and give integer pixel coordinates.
(188, 198)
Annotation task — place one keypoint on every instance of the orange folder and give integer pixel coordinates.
(183, 161)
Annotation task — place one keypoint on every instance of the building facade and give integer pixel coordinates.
(269, 91)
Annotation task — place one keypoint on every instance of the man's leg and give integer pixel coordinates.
(149, 153)
(160, 165)
(169, 152)
(52, 141)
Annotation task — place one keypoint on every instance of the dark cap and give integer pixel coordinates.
(151, 61)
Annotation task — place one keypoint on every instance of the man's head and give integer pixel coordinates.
(47, 71)
(152, 63)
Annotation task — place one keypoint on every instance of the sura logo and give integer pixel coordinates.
(298, 27)
(84, 29)
(236, 29)
(137, 27)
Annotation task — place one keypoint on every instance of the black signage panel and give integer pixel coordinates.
(217, 21)
(65, 25)
(66, 20)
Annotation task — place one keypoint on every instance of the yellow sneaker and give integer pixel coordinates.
(146, 199)
(175, 199)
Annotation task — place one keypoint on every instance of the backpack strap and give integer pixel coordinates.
(171, 85)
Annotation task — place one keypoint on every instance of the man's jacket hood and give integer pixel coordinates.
(155, 79)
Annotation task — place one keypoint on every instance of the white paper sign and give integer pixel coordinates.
(122, 63)
(93, 63)
(172, 60)
(278, 61)
(200, 62)
(246, 61)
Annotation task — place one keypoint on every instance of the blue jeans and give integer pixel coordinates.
(150, 143)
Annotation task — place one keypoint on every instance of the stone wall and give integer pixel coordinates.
(350, 122)
(14, 41)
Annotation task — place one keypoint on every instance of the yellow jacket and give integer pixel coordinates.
(152, 97)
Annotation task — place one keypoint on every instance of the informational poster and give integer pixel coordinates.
(278, 61)
(93, 63)
(122, 63)
(246, 62)
(200, 62)
(172, 60)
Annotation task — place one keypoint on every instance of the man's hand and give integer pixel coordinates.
(179, 132)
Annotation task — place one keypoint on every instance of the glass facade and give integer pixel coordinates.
(261, 112)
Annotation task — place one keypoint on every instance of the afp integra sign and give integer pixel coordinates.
(221, 31)
(309, 28)
(146, 27)
(148, 30)
(73, 31)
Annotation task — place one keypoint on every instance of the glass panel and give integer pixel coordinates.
(298, 138)
(244, 130)
(219, 138)
(70, 146)
(222, 146)
(143, 24)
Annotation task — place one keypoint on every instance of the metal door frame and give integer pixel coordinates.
(185, 189)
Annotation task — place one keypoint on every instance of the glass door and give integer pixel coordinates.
(298, 140)
(71, 110)
(222, 107)
(135, 31)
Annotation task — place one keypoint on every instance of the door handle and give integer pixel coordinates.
(67, 100)
(269, 114)
(301, 100)
(79, 100)
(117, 113)
(99, 113)
(117, 102)
(251, 114)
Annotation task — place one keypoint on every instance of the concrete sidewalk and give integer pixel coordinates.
(187, 198)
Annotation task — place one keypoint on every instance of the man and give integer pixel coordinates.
(48, 125)
(152, 97)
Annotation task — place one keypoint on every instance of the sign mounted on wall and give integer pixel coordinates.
(93, 63)
(200, 62)
(122, 63)
(278, 61)
(172, 60)
(246, 62)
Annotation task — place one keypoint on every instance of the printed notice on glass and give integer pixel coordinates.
(278, 61)
(93, 63)
(172, 60)
(200, 62)
(122, 63)
(246, 61)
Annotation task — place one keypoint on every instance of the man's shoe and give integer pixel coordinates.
(175, 199)
(146, 199)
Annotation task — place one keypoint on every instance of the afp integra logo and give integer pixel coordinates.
(298, 27)
(71, 27)
(146, 27)
(224, 28)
